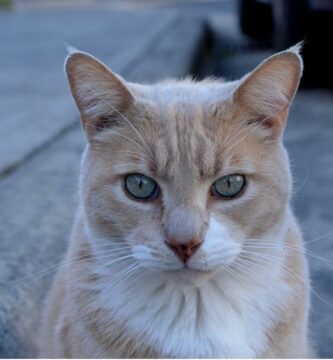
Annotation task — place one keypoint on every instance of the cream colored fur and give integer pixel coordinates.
(122, 292)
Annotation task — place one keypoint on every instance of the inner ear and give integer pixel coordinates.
(268, 127)
(101, 96)
(267, 92)
(106, 121)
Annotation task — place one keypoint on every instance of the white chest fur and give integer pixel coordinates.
(224, 317)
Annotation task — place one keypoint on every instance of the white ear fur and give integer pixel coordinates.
(96, 90)
(270, 88)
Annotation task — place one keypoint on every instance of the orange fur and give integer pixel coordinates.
(185, 135)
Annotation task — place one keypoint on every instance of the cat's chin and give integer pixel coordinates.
(188, 276)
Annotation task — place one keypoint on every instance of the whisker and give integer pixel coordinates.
(250, 261)
(64, 263)
(310, 253)
(303, 182)
(233, 273)
(118, 259)
(319, 238)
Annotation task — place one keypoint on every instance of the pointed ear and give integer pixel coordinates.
(267, 92)
(100, 95)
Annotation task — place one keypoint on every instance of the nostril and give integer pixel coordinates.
(171, 245)
(184, 250)
(195, 246)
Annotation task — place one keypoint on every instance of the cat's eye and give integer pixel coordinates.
(141, 187)
(228, 186)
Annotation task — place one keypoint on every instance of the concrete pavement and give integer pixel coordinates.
(41, 143)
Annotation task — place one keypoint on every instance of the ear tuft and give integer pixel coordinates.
(70, 49)
(297, 48)
(97, 91)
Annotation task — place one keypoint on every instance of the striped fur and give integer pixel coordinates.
(121, 291)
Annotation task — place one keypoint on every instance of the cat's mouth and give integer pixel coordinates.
(189, 276)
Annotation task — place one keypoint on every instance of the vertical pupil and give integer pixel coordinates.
(228, 182)
(140, 183)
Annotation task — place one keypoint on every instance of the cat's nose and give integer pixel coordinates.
(184, 250)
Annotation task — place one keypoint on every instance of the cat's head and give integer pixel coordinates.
(181, 175)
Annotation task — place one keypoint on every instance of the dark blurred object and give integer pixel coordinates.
(256, 19)
(282, 23)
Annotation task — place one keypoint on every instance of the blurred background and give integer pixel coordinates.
(144, 40)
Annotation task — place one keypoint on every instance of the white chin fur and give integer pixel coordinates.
(214, 318)
(188, 277)
(191, 314)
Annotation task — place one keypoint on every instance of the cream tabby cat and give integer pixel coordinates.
(184, 243)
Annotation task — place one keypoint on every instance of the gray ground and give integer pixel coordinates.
(41, 141)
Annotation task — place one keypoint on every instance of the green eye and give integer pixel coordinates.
(141, 187)
(228, 186)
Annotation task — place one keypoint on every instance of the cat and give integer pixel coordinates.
(184, 243)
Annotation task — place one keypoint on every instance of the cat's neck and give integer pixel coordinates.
(215, 319)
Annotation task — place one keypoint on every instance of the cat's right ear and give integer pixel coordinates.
(100, 95)
(268, 91)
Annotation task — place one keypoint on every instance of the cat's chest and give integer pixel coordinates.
(199, 323)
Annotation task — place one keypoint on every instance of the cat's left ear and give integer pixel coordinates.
(267, 92)
(101, 96)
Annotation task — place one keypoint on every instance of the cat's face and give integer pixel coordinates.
(184, 174)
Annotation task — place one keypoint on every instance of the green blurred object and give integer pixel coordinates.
(5, 3)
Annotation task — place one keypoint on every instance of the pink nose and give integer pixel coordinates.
(184, 250)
